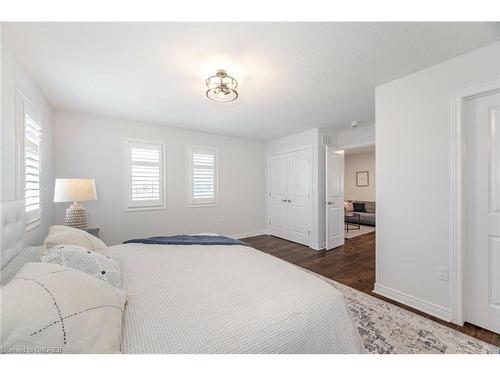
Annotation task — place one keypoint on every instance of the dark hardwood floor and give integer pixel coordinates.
(352, 264)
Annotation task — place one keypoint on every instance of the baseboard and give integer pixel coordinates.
(318, 246)
(417, 303)
(248, 234)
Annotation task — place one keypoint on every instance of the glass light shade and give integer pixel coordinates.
(74, 190)
(221, 87)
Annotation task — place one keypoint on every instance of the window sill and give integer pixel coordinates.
(132, 209)
(194, 205)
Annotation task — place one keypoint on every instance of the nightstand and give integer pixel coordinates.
(94, 231)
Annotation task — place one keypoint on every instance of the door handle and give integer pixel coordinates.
(330, 203)
(283, 200)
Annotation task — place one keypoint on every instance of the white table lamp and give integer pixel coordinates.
(75, 190)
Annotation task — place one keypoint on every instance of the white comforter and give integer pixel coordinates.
(227, 299)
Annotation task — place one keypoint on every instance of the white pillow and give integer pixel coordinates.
(100, 266)
(50, 308)
(63, 235)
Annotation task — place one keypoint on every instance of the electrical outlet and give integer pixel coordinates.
(442, 273)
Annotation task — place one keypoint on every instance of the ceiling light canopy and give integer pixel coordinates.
(221, 87)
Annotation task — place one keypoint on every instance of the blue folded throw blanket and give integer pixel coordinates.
(188, 240)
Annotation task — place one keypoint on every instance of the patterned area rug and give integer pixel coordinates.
(386, 328)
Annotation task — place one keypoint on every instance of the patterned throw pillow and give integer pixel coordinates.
(48, 308)
(100, 266)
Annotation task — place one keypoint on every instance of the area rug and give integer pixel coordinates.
(364, 229)
(386, 328)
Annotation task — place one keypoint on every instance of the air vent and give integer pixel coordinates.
(326, 140)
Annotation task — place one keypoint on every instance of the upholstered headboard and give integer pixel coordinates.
(12, 231)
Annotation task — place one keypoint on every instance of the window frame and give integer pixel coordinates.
(128, 205)
(25, 107)
(191, 201)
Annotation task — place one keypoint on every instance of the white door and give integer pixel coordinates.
(289, 196)
(482, 283)
(278, 205)
(334, 198)
(299, 217)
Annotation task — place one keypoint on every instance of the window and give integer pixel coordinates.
(202, 176)
(144, 174)
(29, 161)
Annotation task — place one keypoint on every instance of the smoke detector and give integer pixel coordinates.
(354, 124)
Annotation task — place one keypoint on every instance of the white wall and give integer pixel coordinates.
(14, 76)
(308, 138)
(91, 146)
(362, 135)
(413, 165)
(357, 163)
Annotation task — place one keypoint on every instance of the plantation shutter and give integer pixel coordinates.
(32, 139)
(203, 189)
(145, 186)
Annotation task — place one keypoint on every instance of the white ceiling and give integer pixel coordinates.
(292, 76)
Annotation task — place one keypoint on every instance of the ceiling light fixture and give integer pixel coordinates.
(221, 87)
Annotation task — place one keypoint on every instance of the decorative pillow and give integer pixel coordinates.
(100, 266)
(370, 207)
(359, 206)
(28, 254)
(50, 308)
(63, 235)
(348, 206)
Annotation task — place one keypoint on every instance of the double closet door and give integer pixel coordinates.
(290, 196)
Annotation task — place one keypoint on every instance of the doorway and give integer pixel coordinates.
(350, 193)
(359, 191)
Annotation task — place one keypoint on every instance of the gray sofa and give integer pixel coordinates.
(367, 217)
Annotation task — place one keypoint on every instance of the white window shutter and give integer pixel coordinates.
(32, 164)
(203, 176)
(144, 174)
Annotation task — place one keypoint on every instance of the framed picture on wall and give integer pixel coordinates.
(362, 178)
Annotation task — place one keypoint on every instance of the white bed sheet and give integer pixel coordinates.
(227, 299)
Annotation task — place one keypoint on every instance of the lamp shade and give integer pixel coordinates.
(74, 190)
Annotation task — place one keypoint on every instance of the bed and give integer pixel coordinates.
(213, 299)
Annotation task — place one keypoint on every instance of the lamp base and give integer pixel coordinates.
(76, 217)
